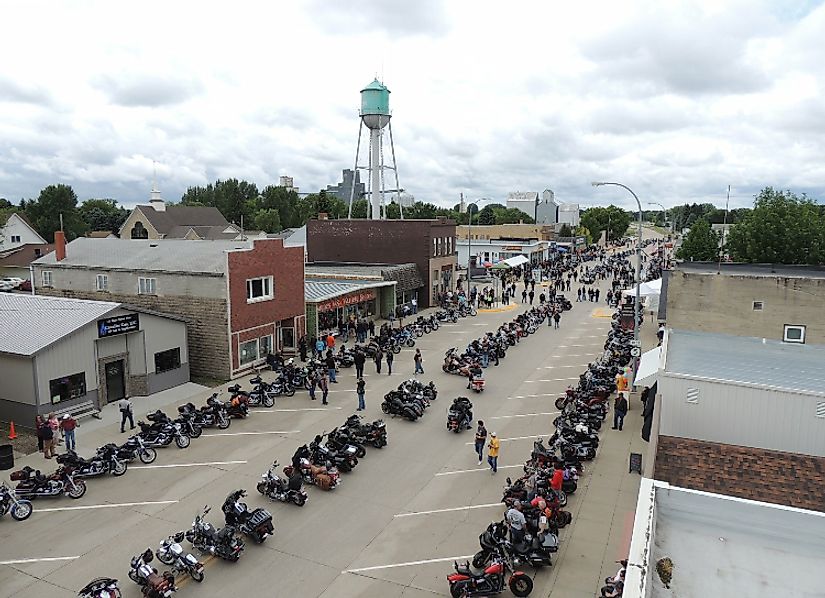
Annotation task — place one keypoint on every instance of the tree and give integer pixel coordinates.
(44, 213)
(600, 219)
(232, 197)
(701, 243)
(285, 201)
(565, 231)
(268, 220)
(782, 228)
(102, 214)
(487, 215)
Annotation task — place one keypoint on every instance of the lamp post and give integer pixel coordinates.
(470, 243)
(636, 308)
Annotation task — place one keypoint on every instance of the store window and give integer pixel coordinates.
(67, 388)
(248, 352)
(167, 360)
(102, 282)
(265, 345)
(259, 289)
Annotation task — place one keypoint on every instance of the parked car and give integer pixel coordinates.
(10, 283)
(26, 285)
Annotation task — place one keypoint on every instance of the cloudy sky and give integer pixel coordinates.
(675, 99)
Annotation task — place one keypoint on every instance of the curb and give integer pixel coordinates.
(497, 310)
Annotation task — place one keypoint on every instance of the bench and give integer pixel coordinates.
(81, 410)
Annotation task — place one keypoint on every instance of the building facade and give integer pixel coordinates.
(241, 299)
(485, 232)
(569, 214)
(429, 244)
(16, 232)
(344, 190)
(496, 250)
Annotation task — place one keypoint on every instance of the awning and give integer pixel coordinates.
(648, 370)
(516, 260)
(654, 287)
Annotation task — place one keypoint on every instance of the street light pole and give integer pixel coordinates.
(637, 307)
(470, 244)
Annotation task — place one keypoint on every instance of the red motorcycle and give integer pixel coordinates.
(491, 581)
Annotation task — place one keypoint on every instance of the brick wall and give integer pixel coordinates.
(206, 326)
(756, 474)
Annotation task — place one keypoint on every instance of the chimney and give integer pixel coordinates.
(59, 245)
(323, 216)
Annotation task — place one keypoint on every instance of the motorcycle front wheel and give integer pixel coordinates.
(166, 558)
(521, 585)
(457, 590)
(182, 441)
(196, 574)
(269, 401)
(480, 559)
(119, 468)
(224, 422)
(78, 491)
(22, 510)
(289, 390)
(300, 500)
(195, 432)
(262, 487)
(148, 456)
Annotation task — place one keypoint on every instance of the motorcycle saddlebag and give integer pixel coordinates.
(258, 517)
(21, 475)
(323, 481)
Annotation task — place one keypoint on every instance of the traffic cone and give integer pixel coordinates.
(12, 433)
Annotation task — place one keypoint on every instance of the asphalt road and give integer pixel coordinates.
(392, 528)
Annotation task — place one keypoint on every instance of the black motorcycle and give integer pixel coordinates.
(374, 433)
(33, 484)
(344, 460)
(460, 415)
(20, 509)
(222, 543)
(152, 583)
(257, 524)
(105, 461)
(274, 487)
(102, 587)
(135, 448)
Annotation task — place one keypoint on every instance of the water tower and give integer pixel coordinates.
(375, 115)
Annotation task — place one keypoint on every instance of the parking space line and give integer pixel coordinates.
(408, 564)
(106, 506)
(450, 510)
(585, 345)
(294, 410)
(484, 469)
(553, 367)
(534, 436)
(43, 560)
(525, 414)
(577, 355)
(173, 465)
(250, 433)
(553, 379)
(546, 394)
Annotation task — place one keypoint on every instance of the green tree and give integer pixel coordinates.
(782, 228)
(53, 202)
(487, 215)
(701, 244)
(232, 197)
(612, 219)
(565, 231)
(102, 214)
(268, 220)
(285, 201)
(359, 208)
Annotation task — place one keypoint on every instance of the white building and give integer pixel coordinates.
(16, 232)
(547, 210)
(523, 200)
(496, 250)
(569, 214)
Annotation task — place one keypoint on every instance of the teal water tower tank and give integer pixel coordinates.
(375, 105)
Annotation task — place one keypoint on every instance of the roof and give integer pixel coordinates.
(296, 238)
(316, 291)
(24, 255)
(29, 323)
(406, 275)
(208, 233)
(100, 234)
(757, 270)
(168, 255)
(176, 215)
(746, 360)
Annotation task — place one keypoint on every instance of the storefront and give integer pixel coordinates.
(331, 301)
(360, 304)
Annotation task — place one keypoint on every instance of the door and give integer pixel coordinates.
(115, 381)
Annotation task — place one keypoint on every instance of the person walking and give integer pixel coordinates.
(313, 384)
(524, 295)
(379, 357)
(319, 347)
(371, 327)
(556, 320)
(359, 360)
(492, 452)
(419, 369)
(330, 363)
(67, 426)
(596, 294)
(390, 358)
(125, 408)
(302, 348)
(578, 295)
(324, 386)
(48, 439)
(359, 390)
(531, 294)
(619, 411)
(481, 440)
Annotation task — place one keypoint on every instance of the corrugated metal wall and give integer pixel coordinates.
(741, 415)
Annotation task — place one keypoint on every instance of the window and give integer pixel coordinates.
(37, 252)
(248, 352)
(758, 305)
(47, 278)
(139, 231)
(68, 388)
(259, 289)
(15, 238)
(435, 247)
(147, 286)
(794, 333)
(265, 345)
(167, 360)
(102, 282)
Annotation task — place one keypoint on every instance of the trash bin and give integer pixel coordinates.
(6, 457)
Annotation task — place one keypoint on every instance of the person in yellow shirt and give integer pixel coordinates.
(492, 452)
(621, 382)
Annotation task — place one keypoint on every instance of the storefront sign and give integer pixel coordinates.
(350, 299)
(117, 325)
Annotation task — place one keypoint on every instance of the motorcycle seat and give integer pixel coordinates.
(463, 568)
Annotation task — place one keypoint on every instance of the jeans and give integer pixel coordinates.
(389, 368)
(359, 370)
(493, 461)
(69, 437)
(331, 372)
(324, 396)
(378, 367)
(479, 447)
(418, 368)
(618, 419)
(124, 415)
(361, 404)
(556, 323)
(312, 392)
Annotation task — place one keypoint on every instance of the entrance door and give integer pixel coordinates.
(115, 381)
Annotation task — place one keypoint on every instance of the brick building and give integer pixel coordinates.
(429, 244)
(240, 299)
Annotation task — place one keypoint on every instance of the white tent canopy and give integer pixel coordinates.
(512, 262)
(646, 289)
(648, 369)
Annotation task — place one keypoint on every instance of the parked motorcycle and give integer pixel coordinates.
(274, 487)
(135, 448)
(19, 509)
(464, 582)
(101, 587)
(104, 461)
(257, 523)
(374, 433)
(152, 583)
(222, 542)
(325, 478)
(171, 553)
(33, 484)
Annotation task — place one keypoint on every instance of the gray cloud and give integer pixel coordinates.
(15, 91)
(146, 90)
(394, 17)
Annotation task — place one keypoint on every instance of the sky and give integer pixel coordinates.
(675, 99)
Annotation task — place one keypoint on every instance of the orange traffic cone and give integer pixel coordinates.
(12, 433)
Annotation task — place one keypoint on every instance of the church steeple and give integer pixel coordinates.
(155, 200)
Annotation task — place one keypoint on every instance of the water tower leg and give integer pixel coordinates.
(395, 170)
(375, 172)
(355, 168)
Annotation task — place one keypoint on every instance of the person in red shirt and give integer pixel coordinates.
(558, 478)
(67, 426)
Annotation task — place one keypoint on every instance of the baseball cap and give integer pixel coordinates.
(493, 434)
(65, 416)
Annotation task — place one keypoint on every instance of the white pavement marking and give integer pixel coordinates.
(43, 560)
(250, 433)
(587, 345)
(546, 394)
(553, 367)
(525, 414)
(173, 465)
(577, 355)
(452, 509)
(293, 410)
(534, 436)
(553, 379)
(408, 564)
(106, 506)
(484, 469)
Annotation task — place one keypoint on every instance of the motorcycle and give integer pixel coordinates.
(152, 584)
(492, 580)
(325, 478)
(460, 415)
(211, 414)
(135, 448)
(208, 540)
(274, 487)
(171, 553)
(102, 587)
(321, 454)
(20, 509)
(33, 484)
(104, 461)
(257, 524)
(374, 434)
(161, 434)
